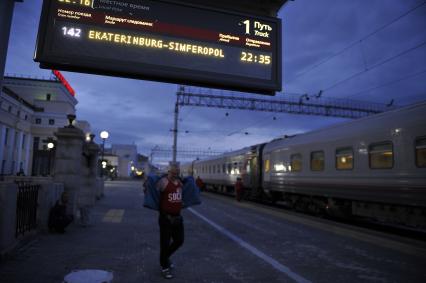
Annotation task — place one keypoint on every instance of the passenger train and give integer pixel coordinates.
(373, 167)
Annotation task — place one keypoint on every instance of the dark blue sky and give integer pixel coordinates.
(389, 64)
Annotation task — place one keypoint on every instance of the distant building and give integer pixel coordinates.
(127, 158)
(31, 110)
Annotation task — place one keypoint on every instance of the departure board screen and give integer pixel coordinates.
(162, 41)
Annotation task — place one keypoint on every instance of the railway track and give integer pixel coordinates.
(401, 232)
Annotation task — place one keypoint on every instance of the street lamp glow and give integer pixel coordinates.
(50, 145)
(104, 135)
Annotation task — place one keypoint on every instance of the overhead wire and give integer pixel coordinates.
(361, 39)
(386, 84)
(376, 65)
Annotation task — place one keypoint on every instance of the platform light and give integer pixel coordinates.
(104, 135)
(50, 145)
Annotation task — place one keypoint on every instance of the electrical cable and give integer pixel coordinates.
(361, 39)
(376, 65)
(386, 84)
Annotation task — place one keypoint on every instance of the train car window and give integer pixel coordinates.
(296, 162)
(381, 155)
(235, 169)
(344, 158)
(317, 161)
(421, 152)
(224, 168)
(229, 168)
(267, 165)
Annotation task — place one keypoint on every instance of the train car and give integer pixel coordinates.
(220, 173)
(372, 167)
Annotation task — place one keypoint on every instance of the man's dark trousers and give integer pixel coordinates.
(171, 238)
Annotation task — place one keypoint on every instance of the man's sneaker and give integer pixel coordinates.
(171, 265)
(167, 273)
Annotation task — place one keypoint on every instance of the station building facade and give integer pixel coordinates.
(31, 111)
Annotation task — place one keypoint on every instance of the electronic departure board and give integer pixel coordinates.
(163, 41)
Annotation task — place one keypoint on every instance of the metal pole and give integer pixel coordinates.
(6, 13)
(102, 158)
(175, 131)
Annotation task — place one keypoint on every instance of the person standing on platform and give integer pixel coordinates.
(199, 183)
(239, 189)
(170, 219)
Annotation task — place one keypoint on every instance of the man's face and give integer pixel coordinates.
(174, 172)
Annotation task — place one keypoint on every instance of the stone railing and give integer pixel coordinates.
(48, 192)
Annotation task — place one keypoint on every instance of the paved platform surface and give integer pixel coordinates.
(225, 241)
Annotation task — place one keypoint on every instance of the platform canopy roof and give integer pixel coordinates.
(254, 7)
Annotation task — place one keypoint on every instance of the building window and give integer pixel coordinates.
(267, 165)
(15, 142)
(296, 162)
(6, 136)
(48, 96)
(317, 161)
(344, 158)
(421, 152)
(18, 114)
(26, 117)
(9, 109)
(38, 121)
(381, 155)
(36, 143)
(51, 121)
(24, 137)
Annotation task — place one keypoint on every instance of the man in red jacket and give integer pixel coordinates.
(170, 220)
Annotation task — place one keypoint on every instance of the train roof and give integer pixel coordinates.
(391, 119)
(232, 153)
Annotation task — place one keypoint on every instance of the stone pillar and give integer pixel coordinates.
(8, 199)
(96, 182)
(19, 149)
(68, 160)
(88, 190)
(27, 169)
(10, 157)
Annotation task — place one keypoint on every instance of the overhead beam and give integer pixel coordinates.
(304, 104)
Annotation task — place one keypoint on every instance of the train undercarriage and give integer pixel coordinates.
(408, 217)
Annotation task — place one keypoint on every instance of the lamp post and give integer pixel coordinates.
(50, 149)
(104, 135)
